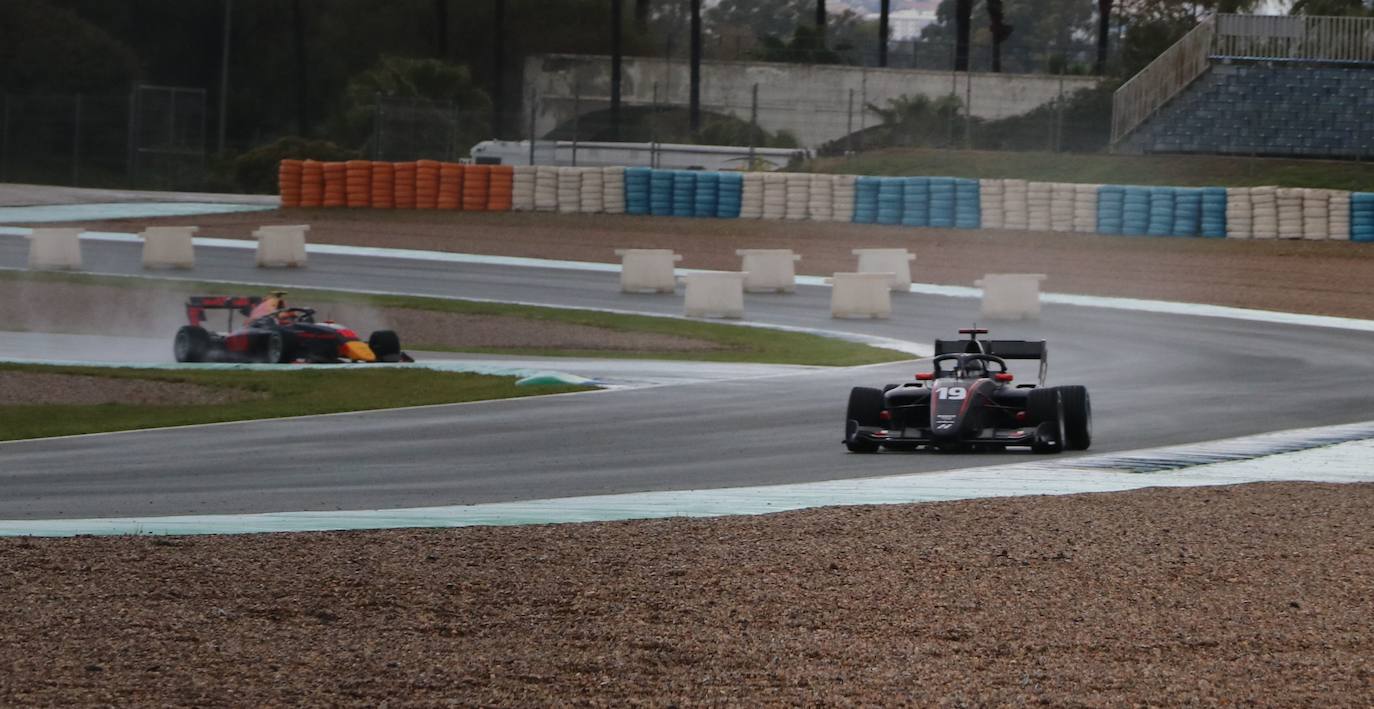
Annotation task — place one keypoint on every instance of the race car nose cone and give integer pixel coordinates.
(357, 351)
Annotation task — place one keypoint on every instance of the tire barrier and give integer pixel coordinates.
(55, 248)
(866, 200)
(1010, 296)
(1110, 203)
(289, 183)
(707, 197)
(335, 185)
(1135, 211)
(404, 189)
(1085, 208)
(312, 183)
(1038, 205)
(894, 262)
(967, 204)
(426, 184)
(890, 200)
(500, 188)
(730, 198)
(592, 193)
(1288, 201)
(476, 187)
(990, 204)
(1239, 214)
(1264, 220)
(1015, 194)
(751, 196)
(1062, 196)
(1213, 224)
(774, 195)
(860, 295)
(684, 193)
(769, 270)
(613, 190)
(450, 194)
(844, 197)
(820, 203)
(637, 190)
(714, 295)
(569, 190)
(1339, 227)
(942, 202)
(798, 198)
(1362, 216)
(661, 193)
(383, 185)
(546, 188)
(1187, 219)
(1315, 217)
(522, 188)
(1161, 212)
(647, 270)
(281, 246)
(169, 247)
(916, 201)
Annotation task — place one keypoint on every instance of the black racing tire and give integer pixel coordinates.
(1078, 417)
(1042, 405)
(275, 348)
(386, 344)
(192, 344)
(865, 409)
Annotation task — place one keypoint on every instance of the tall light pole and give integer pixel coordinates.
(694, 109)
(224, 73)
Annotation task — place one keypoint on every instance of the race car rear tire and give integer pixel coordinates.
(191, 344)
(865, 409)
(386, 344)
(1078, 417)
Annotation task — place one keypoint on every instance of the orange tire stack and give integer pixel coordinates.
(289, 183)
(450, 186)
(500, 187)
(358, 183)
(383, 185)
(335, 181)
(312, 183)
(475, 181)
(405, 185)
(426, 184)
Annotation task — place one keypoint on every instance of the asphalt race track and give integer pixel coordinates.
(1155, 380)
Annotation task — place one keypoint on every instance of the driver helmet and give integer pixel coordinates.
(285, 317)
(974, 367)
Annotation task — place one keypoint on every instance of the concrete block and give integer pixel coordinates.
(281, 246)
(647, 270)
(769, 270)
(894, 261)
(55, 248)
(861, 295)
(169, 247)
(715, 295)
(1011, 296)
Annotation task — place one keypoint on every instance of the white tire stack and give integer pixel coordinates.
(1316, 214)
(613, 190)
(591, 199)
(1038, 201)
(1085, 208)
(774, 195)
(798, 195)
(1062, 195)
(1265, 209)
(1014, 204)
(751, 196)
(546, 188)
(1239, 213)
(821, 204)
(990, 204)
(1338, 226)
(522, 188)
(1289, 201)
(569, 190)
(844, 198)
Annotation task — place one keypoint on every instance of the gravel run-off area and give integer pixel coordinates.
(1250, 595)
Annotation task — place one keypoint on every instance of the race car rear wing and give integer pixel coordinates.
(1006, 349)
(196, 306)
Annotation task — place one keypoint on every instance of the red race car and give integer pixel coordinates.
(273, 332)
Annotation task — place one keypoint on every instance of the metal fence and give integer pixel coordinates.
(414, 129)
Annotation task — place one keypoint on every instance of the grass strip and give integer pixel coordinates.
(288, 392)
(733, 343)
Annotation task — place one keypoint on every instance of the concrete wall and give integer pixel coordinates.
(811, 101)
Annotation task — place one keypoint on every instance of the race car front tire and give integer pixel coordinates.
(1045, 409)
(274, 349)
(865, 409)
(191, 344)
(386, 344)
(1078, 417)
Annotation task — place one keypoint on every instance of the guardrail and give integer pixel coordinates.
(1276, 37)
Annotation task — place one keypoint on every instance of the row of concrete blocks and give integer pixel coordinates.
(59, 248)
(864, 293)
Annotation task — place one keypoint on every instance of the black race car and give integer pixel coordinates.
(968, 402)
(273, 332)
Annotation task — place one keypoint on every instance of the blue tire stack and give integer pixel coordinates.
(1135, 211)
(661, 193)
(1161, 212)
(916, 201)
(684, 193)
(968, 212)
(890, 200)
(637, 190)
(1214, 212)
(1362, 216)
(1187, 211)
(942, 202)
(729, 188)
(708, 185)
(1109, 203)
(866, 200)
